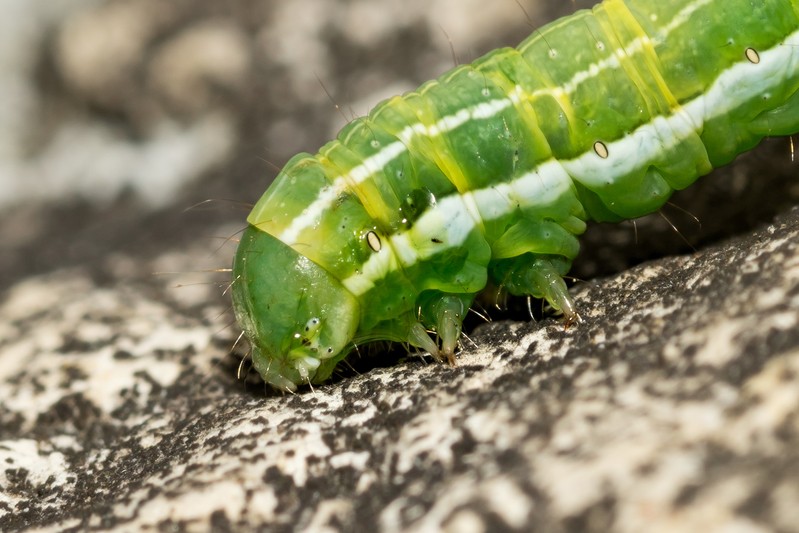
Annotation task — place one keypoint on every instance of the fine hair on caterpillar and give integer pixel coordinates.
(489, 173)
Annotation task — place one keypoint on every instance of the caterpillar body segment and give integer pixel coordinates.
(493, 170)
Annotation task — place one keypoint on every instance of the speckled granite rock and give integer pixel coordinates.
(673, 406)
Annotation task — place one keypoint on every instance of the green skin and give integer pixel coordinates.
(493, 169)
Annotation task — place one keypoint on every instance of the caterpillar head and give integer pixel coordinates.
(299, 319)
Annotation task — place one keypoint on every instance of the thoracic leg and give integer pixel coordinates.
(444, 313)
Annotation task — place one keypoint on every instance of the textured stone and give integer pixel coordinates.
(674, 405)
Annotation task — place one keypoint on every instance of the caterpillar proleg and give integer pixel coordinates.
(491, 171)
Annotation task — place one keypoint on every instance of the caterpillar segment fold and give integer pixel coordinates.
(492, 171)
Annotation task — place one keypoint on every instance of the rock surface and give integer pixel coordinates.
(674, 405)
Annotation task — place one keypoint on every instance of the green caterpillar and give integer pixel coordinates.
(493, 169)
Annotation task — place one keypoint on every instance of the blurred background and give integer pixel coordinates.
(135, 134)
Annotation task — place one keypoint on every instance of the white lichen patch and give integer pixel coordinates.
(66, 339)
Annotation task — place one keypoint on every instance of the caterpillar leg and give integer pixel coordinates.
(443, 313)
(540, 277)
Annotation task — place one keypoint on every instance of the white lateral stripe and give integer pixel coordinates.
(682, 16)
(453, 219)
(482, 111)
(732, 88)
(553, 178)
(375, 163)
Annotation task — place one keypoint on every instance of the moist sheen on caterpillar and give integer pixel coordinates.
(492, 171)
